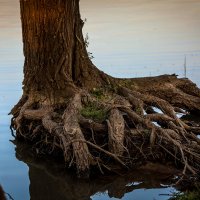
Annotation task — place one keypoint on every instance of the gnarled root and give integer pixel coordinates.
(170, 133)
(74, 133)
(116, 132)
(141, 124)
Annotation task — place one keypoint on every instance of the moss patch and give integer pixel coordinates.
(98, 93)
(92, 111)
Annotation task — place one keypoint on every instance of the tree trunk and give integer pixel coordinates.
(54, 49)
(67, 101)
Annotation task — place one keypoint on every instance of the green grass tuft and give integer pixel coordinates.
(91, 111)
(98, 93)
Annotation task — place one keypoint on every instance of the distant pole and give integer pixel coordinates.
(185, 68)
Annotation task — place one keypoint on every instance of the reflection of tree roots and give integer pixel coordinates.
(131, 132)
(4, 194)
(61, 185)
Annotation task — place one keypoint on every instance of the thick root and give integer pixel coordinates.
(18, 119)
(73, 131)
(116, 132)
(57, 131)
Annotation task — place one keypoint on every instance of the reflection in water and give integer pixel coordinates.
(50, 181)
(2, 194)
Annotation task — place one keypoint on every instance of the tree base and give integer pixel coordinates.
(126, 123)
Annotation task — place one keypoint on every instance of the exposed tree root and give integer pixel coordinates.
(116, 132)
(141, 124)
(74, 133)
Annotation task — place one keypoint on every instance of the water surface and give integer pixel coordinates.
(143, 37)
(128, 38)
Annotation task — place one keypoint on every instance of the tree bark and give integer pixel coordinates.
(54, 48)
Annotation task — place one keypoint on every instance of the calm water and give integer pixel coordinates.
(128, 38)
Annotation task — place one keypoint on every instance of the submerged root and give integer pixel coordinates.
(137, 126)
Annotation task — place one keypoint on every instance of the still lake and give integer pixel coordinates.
(128, 38)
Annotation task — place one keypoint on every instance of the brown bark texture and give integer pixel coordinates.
(54, 49)
(71, 108)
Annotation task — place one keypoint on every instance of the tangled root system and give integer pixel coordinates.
(135, 123)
